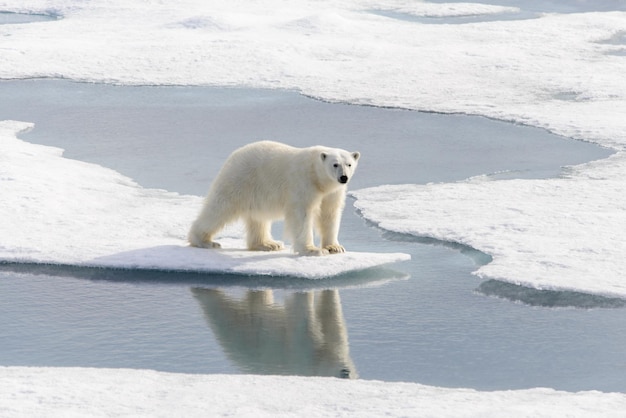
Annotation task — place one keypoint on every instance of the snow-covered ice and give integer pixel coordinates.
(562, 72)
(61, 211)
(560, 233)
(79, 392)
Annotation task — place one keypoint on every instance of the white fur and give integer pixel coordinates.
(265, 181)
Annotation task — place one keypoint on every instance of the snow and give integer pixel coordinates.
(556, 71)
(558, 234)
(79, 392)
(61, 211)
(430, 10)
(449, 9)
(562, 72)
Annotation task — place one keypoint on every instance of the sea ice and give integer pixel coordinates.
(61, 211)
(560, 233)
(80, 392)
(560, 72)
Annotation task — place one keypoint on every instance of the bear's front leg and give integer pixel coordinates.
(329, 219)
(299, 225)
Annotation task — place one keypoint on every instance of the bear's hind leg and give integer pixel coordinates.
(201, 235)
(210, 221)
(259, 236)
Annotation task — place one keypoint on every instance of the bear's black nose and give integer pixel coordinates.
(343, 179)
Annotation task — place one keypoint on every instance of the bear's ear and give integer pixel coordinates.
(323, 155)
(356, 155)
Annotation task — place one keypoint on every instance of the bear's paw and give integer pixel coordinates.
(313, 252)
(268, 246)
(335, 249)
(208, 244)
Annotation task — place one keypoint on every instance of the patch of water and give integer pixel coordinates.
(147, 133)
(428, 320)
(7, 18)
(554, 6)
(456, 20)
(526, 10)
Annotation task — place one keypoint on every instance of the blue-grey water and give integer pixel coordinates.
(432, 322)
(525, 10)
(18, 18)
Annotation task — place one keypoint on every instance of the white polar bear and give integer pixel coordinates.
(265, 181)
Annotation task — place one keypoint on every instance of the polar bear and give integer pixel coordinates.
(266, 181)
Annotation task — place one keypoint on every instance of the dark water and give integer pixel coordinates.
(428, 320)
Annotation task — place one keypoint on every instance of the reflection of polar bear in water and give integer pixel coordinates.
(266, 181)
(306, 336)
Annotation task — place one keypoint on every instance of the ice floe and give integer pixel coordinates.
(69, 392)
(61, 211)
(562, 233)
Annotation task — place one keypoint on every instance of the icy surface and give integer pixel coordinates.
(69, 392)
(555, 71)
(511, 69)
(61, 211)
(561, 72)
(425, 9)
(560, 233)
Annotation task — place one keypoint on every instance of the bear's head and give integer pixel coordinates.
(339, 164)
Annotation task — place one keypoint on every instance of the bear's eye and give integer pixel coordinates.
(349, 165)
(335, 165)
